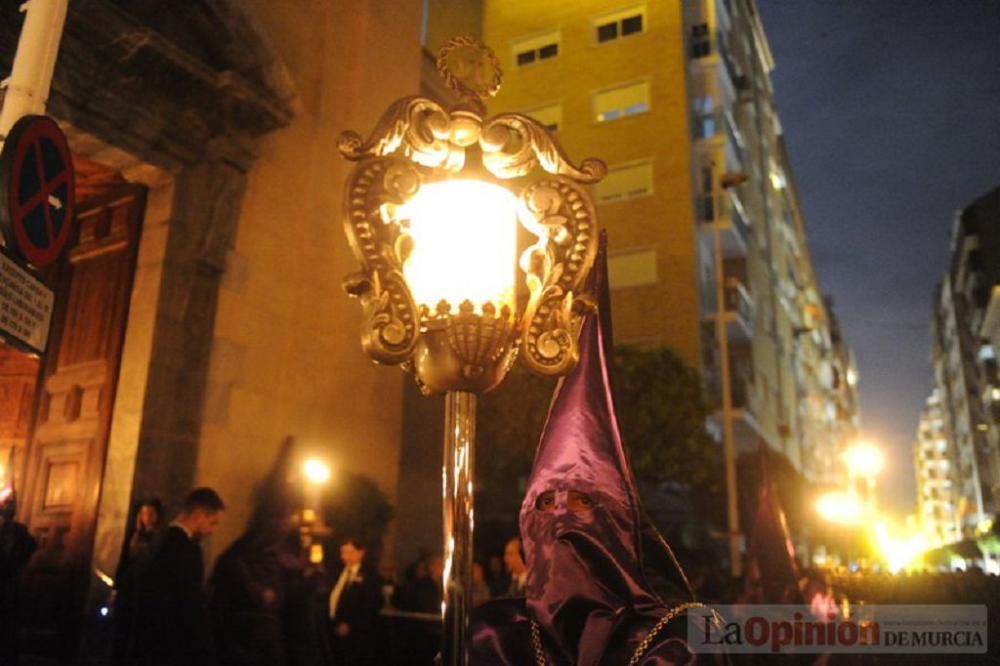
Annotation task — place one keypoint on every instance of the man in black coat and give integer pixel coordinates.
(171, 618)
(16, 547)
(355, 600)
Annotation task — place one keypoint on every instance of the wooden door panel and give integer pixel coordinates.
(60, 470)
(72, 418)
(81, 369)
(18, 373)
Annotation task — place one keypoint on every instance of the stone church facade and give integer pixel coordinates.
(200, 316)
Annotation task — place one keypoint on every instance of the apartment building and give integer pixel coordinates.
(932, 457)
(708, 251)
(964, 359)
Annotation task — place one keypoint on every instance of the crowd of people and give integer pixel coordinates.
(265, 603)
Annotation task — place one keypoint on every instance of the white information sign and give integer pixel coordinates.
(25, 306)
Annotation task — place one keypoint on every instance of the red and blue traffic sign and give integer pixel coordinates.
(36, 190)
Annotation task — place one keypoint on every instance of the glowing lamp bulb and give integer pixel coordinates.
(316, 471)
(464, 244)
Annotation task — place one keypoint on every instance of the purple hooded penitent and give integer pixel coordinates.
(581, 533)
(772, 574)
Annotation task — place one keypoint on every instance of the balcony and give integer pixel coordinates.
(710, 54)
(738, 311)
(724, 211)
(738, 302)
(725, 11)
(746, 430)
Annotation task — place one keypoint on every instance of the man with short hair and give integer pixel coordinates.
(355, 600)
(172, 626)
(513, 559)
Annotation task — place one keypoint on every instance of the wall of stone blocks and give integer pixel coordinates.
(286, 356)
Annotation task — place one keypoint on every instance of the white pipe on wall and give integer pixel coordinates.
(35, 60)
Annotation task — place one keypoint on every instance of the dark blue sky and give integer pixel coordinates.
(891, 111)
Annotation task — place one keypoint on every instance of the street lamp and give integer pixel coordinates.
(316, 471)
(840, 507)
(316, 474)
(432, 213)
(864, 460)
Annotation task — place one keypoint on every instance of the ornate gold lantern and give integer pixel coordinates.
(432, 215)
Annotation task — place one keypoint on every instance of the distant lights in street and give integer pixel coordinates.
(105, 611)
(840, 507)
(864, 459)
(898, 550)
(316, 471)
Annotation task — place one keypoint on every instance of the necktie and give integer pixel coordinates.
(345, 577)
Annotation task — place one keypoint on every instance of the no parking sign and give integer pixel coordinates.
(36, 190)
(36, 218)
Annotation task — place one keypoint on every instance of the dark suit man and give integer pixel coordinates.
(513, 558)
(355, 600)
(16, 548)
(171, 618)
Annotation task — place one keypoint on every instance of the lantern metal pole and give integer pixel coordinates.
(457, 506)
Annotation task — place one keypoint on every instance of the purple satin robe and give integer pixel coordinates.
(585, 589)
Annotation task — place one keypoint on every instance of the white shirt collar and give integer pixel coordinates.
(183, 529)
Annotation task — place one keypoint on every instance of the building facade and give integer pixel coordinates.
(964, 360)
(200, 317)
(707, 244)
(933, 456)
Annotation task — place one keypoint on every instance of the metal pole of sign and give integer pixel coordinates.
(27, 88)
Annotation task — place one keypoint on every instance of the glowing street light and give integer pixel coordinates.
(432, 215)
(841, 508)
(864, 459)
(316, 471)
(899, 550)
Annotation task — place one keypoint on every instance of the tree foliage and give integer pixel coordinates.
(661, 408)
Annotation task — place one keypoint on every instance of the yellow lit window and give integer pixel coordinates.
(549, 115)
(625, 182)
(627, 100)
(536, 48)
(633, 268)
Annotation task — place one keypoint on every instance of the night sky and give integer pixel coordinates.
(891, 112)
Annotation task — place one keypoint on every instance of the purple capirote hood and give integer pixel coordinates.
(585, 576)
